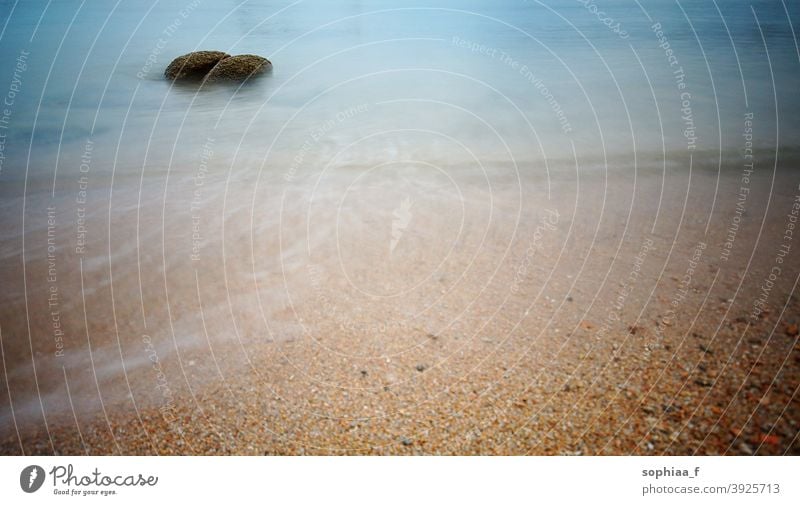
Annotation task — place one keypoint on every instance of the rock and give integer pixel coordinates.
(421, 368)
(193, 66)
(406, 441)
(238, 68)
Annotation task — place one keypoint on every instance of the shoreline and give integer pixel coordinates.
(479, 332)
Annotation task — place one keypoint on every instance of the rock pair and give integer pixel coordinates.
(215, 66)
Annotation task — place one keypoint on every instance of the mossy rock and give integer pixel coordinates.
(194, 66)
(238, 68)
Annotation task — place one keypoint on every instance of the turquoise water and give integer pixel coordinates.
(440, 81)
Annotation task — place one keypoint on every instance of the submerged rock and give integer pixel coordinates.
(194, 66)
(238, 68)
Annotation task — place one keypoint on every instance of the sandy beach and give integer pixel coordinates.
(405, 309)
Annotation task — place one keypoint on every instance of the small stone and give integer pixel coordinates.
(420, 367)
(406, 441)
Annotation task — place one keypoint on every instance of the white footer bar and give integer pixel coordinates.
(406, 480)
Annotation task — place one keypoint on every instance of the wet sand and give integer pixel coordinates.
(403, 309)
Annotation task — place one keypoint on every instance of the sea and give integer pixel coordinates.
(504, 83)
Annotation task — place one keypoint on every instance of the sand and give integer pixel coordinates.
(405, 309)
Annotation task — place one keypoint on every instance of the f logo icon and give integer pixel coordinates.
(31, 478)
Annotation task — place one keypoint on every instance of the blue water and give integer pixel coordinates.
(441, 81)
